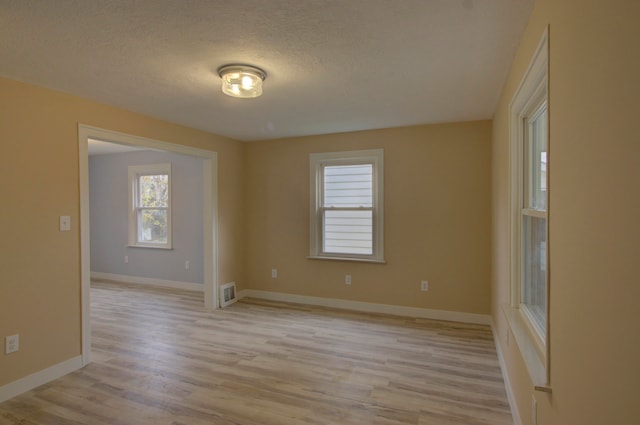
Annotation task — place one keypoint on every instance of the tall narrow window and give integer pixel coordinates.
(346, 205)
(150, 206)
(528, 312)
(533, 291)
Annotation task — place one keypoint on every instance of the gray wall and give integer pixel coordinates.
(108, 186)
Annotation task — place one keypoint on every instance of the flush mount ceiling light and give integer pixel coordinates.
(243, 81)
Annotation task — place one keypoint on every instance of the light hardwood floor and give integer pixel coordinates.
(159, 358)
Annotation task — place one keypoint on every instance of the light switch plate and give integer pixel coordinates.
(65, 223)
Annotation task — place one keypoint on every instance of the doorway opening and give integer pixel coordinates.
(210, 167)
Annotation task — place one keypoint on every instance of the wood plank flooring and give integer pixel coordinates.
(159, 358)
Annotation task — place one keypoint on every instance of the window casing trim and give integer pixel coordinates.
(135, 171)
(529, 98)
(317, 162)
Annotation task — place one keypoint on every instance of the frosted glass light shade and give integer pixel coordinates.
(242, 80)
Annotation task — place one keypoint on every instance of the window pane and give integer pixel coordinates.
(534, 273)
(153, 225)
(347, 232)
(348, 186)
(154, 191)
(538, 160)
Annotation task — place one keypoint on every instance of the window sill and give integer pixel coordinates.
(358, 260)
(527, 345)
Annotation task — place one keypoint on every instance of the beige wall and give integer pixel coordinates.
(437, 218)
(594, 211)
(437, 215)
(40, 266)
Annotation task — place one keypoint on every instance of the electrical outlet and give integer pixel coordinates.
(187, 264)
(274, 273)
(11, 344)
(126, 259)
(424, 285)
(347, 279)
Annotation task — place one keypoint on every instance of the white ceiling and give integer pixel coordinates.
(332, 65)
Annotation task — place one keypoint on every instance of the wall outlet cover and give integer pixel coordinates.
(11, 344)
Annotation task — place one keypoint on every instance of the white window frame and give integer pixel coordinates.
(534, 110)
(317, 162)
(527, 101)
(135, 171)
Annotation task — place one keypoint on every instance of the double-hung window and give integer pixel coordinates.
(346, 213)
(150, 206)
(533, 219)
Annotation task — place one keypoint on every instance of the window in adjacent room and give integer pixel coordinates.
(346, 213)
(150, 206)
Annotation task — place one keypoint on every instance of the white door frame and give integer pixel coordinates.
(210, 202)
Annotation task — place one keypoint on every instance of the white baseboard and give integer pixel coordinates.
(515, 413)
(34, 380)
(188, 286)
(396, 310)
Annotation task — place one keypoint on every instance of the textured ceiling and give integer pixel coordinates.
(332, 65)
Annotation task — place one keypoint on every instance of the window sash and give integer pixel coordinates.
(347, 185)
(535, 159)
(359, 240)
(349, 188)
(147, 230)
(533, 221)
(533, 289)
(162, 201)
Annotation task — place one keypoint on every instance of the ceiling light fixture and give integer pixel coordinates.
(242, 81)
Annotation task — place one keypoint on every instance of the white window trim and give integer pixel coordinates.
(532, 109)
(316, 162)
(531, 93)
(134, 172)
